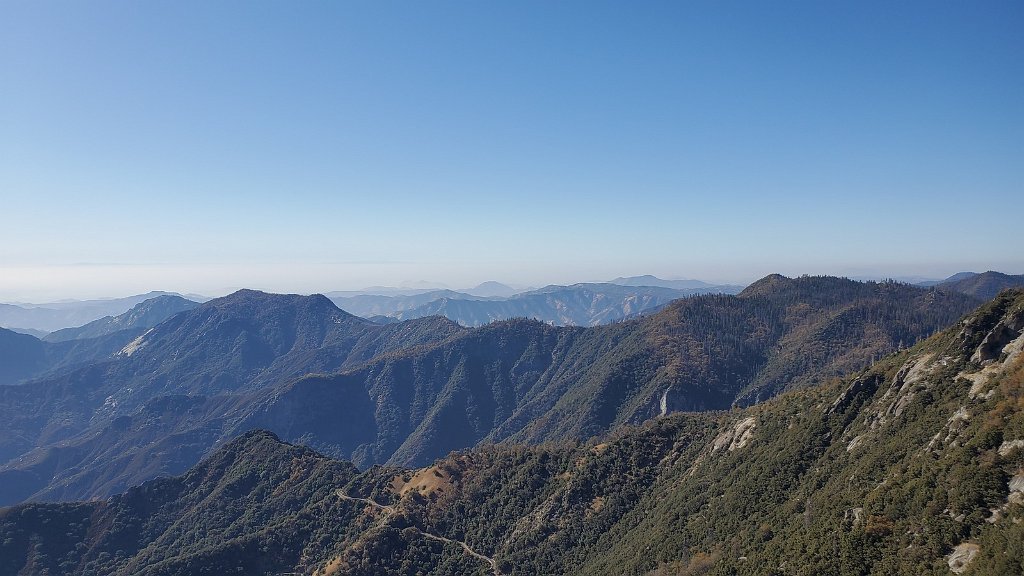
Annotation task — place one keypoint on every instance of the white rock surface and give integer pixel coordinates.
(962, 556)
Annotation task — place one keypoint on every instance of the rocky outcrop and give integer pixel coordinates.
(865, 385)
(736, 437)
(1004, 332)
(962, 556)
(1007, 447)
(1016, 486)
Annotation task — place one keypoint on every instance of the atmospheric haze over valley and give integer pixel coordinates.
(511, 289)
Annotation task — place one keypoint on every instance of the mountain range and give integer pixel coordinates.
(37, 318)
(912, 465)
(585, 304)
(576, 305)
(409, 392)
(649, 280)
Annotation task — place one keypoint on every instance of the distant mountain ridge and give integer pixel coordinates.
(30, 331)
(985, 285)
(649, 280)
(368, 305)
(955, 277)
(585, 304)
(411, 391)
(575, 305)
(487, 289)
(145, 314)
(58, 315)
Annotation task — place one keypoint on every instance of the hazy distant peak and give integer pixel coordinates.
(491, 284)
(492, 289)
(424, 285)
(650, 280)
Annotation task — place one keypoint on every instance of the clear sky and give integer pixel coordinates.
(317, 146)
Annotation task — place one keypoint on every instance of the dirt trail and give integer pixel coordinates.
(470, 551)
(390, 510)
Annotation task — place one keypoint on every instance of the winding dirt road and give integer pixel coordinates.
(390, 510)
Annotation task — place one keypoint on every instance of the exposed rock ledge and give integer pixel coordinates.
(962, 556)
(736, 437)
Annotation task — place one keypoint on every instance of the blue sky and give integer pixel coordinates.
(316, 146)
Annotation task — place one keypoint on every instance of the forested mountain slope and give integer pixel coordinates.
(253, 507)
(913, 466)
